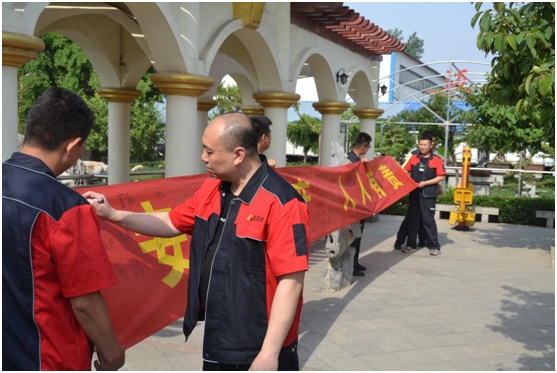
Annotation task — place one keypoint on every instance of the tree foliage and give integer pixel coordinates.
(437, 104)
(305, 132)
(500, 128)
(521, 36)
(63, 64)
(414, 45)
(396, 141)
(229, 98)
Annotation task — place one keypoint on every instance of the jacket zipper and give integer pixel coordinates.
(211, 271)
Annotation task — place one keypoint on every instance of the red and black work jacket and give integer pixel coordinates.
(265, 236)
(424, 169)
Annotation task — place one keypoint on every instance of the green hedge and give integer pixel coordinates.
(513, 210)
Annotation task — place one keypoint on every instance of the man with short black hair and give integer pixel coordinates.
(427, 170)
(402, 233)
(248, 254)
(54, 263)
(362, 143)
(262, 125)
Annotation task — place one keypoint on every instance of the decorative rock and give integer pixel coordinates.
(137, 168)
(340, 266)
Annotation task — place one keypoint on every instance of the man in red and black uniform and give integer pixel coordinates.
(248, 254)
(428, 171)
(53, 260)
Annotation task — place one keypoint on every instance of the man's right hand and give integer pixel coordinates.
(100, 204)
(114, 364)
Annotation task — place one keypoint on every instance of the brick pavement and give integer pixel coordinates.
(486, 303)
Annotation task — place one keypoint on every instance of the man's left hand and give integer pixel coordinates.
(264, 362)
(422, 184)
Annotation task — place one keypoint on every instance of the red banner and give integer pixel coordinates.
(153, 273)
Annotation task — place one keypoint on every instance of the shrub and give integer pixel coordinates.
(512, 210)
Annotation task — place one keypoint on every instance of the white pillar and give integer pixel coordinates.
(203, 108)
(277, 150)
(183, 134)
(330, 129)
(276, 106)
(119, 101)
(9, 111)
(17, 50)
(118, 142)
(367, 125)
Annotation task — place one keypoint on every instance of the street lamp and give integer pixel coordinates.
(383, 89)
(343, 78)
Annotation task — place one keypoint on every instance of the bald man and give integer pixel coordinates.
(248, 256)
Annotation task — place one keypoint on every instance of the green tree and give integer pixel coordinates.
(305, 132)
(229, 98)
(414, 45)
(437, 104)
(63, 64)
(397, 141)
(500, 128)
(521, 36)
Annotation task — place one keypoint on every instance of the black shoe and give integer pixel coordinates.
(409, 249)
(422, 244)
(398, 247)
(359, 267)
(358, 273)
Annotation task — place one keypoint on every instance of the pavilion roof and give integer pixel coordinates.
(346, 27)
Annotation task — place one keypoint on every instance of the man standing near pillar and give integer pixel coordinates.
(263, 126)
(362, 143)
(248, 255)
(54, 263)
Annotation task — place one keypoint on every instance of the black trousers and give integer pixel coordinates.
(357, 242)
(288, 361)
(424, 209)
(402, 233)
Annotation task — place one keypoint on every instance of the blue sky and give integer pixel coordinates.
(444, 26)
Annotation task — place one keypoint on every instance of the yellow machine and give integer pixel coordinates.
(464, 214)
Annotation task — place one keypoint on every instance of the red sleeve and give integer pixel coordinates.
(81, 261)
(288, 238)
(183, 216)
(408, 165)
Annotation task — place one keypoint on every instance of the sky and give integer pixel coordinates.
(444, 26)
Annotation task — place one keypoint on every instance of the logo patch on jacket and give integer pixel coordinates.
(258, 218)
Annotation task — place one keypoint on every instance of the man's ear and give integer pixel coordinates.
(73, 145)
(239, 155)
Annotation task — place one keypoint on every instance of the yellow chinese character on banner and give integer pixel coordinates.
(388, 174)
(158, 244)
(301, 187)
(346, 195)
(365, 193)
(375, 185)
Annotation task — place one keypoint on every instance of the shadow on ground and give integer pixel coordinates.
(528, 317)
(496, 235)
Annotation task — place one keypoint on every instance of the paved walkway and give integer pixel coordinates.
(486, 303)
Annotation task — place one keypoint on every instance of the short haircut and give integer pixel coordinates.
(262, 125)
(429, 133)
(239, 131)
(56, 116)
(426, 137)
(362, 138)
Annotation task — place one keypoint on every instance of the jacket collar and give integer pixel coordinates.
(29, 162)
(254, 183)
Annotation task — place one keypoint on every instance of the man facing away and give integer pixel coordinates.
(53, 260)
(362, 143)
(263, 127)
(248, 254)
(428, 171)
